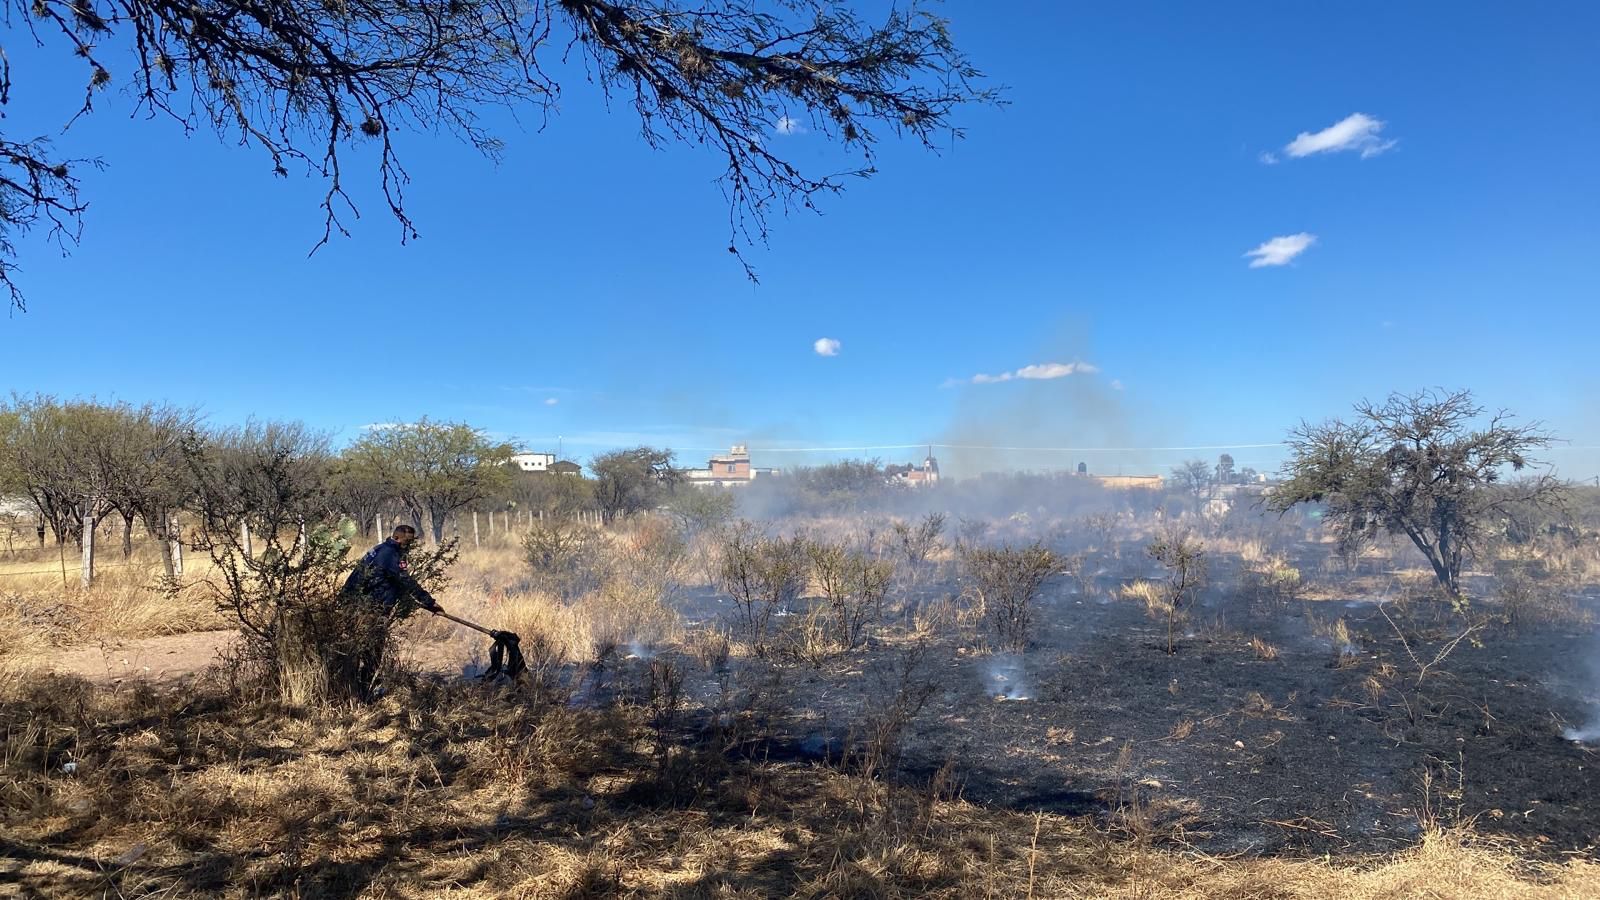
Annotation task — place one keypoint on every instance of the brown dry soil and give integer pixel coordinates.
(1299, 755)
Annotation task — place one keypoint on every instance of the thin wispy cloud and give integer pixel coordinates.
(380, 426)
(1268, 158)
(1036, 372)
(827, 346)
(1280, 251)
(551, 401)
(1116, 385)
(1357, 132)
(789, 125)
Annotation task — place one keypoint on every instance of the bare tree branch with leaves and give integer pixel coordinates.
(308, 83)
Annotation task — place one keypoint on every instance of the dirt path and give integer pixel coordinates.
(175, 656)
(154, 658)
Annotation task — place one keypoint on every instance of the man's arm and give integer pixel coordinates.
(404, 584)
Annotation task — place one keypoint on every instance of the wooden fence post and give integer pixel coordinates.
(381, 535)
(244, 536)
(88, 551)
(475, 541)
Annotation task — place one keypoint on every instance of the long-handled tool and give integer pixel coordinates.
(506, 654)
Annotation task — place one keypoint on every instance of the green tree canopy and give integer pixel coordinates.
(1429, 465)
(435, 468)
(631, 481)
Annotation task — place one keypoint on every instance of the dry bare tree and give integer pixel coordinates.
(315, 84)
(1195, 478)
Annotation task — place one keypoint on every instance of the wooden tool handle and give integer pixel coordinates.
(473, 625)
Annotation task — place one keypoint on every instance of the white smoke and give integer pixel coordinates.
(1005, 679)
(1587, 734)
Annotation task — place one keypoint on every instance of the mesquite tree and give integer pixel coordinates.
(1430, 466)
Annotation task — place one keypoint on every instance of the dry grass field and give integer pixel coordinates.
(659, 747)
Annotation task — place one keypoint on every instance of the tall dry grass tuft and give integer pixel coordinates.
(129, 599)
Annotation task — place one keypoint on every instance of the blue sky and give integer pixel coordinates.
(1102, 218)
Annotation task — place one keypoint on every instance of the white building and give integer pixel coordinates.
(534, 462)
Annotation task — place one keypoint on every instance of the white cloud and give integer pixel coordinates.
(826, 347)
(1280, 250)
(789, 125)
(551, 401)
(1116, 385)
(382, 426)
(1268, 158)
(1359, 132)
(1036, 372)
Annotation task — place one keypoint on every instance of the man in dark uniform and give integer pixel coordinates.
(381, 576)
(380, 587)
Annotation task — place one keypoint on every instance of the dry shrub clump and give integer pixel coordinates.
(567, 557)
(1532, 593)
(594, 591)
(1007, 581)
(1272, 583)
(852, 587)
(916, 543)
(1185, 561)
(762, 575)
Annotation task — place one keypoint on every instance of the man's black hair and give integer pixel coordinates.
(404, 529)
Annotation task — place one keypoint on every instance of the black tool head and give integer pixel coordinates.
(505, 656)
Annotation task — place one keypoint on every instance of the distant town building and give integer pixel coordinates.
(916, 476)
(565, 467)
(1125, 482)
(1122, 482)
(533, 462)
(731, 469)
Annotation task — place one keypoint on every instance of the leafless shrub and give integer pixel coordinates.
(663, 704)
(763, 575)
(1102, 528)
(1184, 559)
(852, 585)
(970, 533)
(1008, 581)
(710, 648)
(899, 688)
(568, 558)
(1081, 570)
(915, 543)
(1531, 594)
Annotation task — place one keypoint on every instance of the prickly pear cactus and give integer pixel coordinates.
(333, 540)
